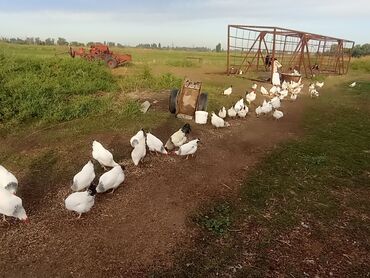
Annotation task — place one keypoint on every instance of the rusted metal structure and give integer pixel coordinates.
(254, 48)
(101, 51)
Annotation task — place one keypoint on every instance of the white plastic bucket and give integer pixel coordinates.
(201, 117)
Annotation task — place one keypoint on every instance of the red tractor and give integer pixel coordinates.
(101, 51)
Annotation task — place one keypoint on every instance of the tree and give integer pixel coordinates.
(62, 41)
(49, 41)
(159, 45)
(218, 47)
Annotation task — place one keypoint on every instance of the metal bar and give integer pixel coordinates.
(350, 57)
(228, 50)
(273, 54)
(246, 55)
(309, 59)
(259, 53)
(273, 28)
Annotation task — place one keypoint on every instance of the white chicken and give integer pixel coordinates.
(189, 148)
(222, 113)
(264, 91)
(319, 84)
(218, 121)
(277, 114)
(239, 105)
(284, 85)
(81, 202)
(178, 138)
(266, 107)
(102, 155)
(84, 178)
(155, 144)
(254, 86)
(8, 180)
(111, 179)
(273, 90)
(11, 205)
(293, 96)
(139, 152)
(250, 97)
(243, 112)
(137, 137)
(228, 91)
(314, 93)
(231, 112)
(275, 102)
(352, 85)
(258, 111)
(311, 87)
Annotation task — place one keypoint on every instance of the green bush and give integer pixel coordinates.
(51, 88)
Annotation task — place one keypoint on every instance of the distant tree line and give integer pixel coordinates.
(52, 41)
(63, 41)
(361, 50)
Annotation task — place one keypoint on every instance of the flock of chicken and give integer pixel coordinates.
(82, 201)
(276, 94)
(84, 186)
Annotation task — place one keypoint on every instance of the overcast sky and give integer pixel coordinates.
(183, 23)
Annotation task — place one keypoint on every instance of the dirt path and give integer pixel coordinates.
(142, 222)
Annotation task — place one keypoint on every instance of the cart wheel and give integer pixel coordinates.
(173, 100)
(111, 62)
(202, 102)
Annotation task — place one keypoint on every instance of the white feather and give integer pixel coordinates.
(275, 102)
(136, 138)
(217, 121)
(111, 179)
(277, 114)
(222, 113)
(102, 155)
(264, 91)
(84, 178)
(155, 144)
(231, 112)
(8, 180)
(80, 202)
(250, 97)
(228, 91)
(11, 205)
(139, 152)
(188, 148)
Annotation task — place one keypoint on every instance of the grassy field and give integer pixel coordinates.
(305, 209)
(308, 198)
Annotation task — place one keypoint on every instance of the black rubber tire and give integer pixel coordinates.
(111, 62)
(173, 101)
(202, 102)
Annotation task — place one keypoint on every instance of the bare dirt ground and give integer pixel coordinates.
(145, 220)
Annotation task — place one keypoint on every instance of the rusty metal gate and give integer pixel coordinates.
(253, 48)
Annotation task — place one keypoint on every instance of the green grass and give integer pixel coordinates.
(302, 181)
(51, 89)
(147, 81)
(361, 64)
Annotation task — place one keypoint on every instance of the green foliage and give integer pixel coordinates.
(217, 219)
(145, 80)
(361, 50)
(51, 88)
(362, 64)
(131, 109)
(218, 47)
